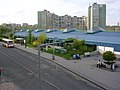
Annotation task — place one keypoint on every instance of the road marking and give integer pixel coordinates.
(30, 71)
(52, 84)
(23, 54)
(19, 63)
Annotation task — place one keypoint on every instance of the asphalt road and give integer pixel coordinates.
(21, 68)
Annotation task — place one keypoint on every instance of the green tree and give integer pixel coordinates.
(76, 45)
(70, 39)
(10, 35)
(68, 44)
(32, 38)
(73, 46)
(108, 56)
(41, 39)
(3, 30)
(29, 37)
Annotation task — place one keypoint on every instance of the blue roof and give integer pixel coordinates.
(110, 37)
(101, 37)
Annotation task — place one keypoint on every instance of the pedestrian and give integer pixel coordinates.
(24, 43)
(21, 42)
(99, 63)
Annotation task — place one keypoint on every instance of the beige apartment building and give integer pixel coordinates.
(47, 20)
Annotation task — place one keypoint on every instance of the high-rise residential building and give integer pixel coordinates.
(79, 22)
(35, 26)
(47, 20)
(44, 19)
(55, 21)
(96, 16)
(64, 21)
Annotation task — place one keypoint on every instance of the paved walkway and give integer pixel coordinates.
(7, 85)
(86, 67)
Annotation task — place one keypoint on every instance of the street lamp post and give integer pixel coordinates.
(54, 41)
(13, 30)
(53, 55)
(13, 36)
(39, 72)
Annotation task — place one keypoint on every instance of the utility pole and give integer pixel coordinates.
(13, 30)
(53, 56)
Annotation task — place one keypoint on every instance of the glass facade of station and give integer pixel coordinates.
(115, 46)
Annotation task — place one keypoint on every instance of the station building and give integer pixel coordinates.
(105, 41)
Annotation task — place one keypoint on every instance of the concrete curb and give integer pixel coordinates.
(79, 74)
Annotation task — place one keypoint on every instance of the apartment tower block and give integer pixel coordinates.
(96, 16)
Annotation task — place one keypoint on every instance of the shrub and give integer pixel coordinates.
(35, 43)
(0, 38)
(109, 56)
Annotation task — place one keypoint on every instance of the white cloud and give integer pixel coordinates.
(20, 11)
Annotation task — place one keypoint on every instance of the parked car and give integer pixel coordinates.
(87, 54)
(76, 56)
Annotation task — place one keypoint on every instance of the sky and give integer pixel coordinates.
(25, 11)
